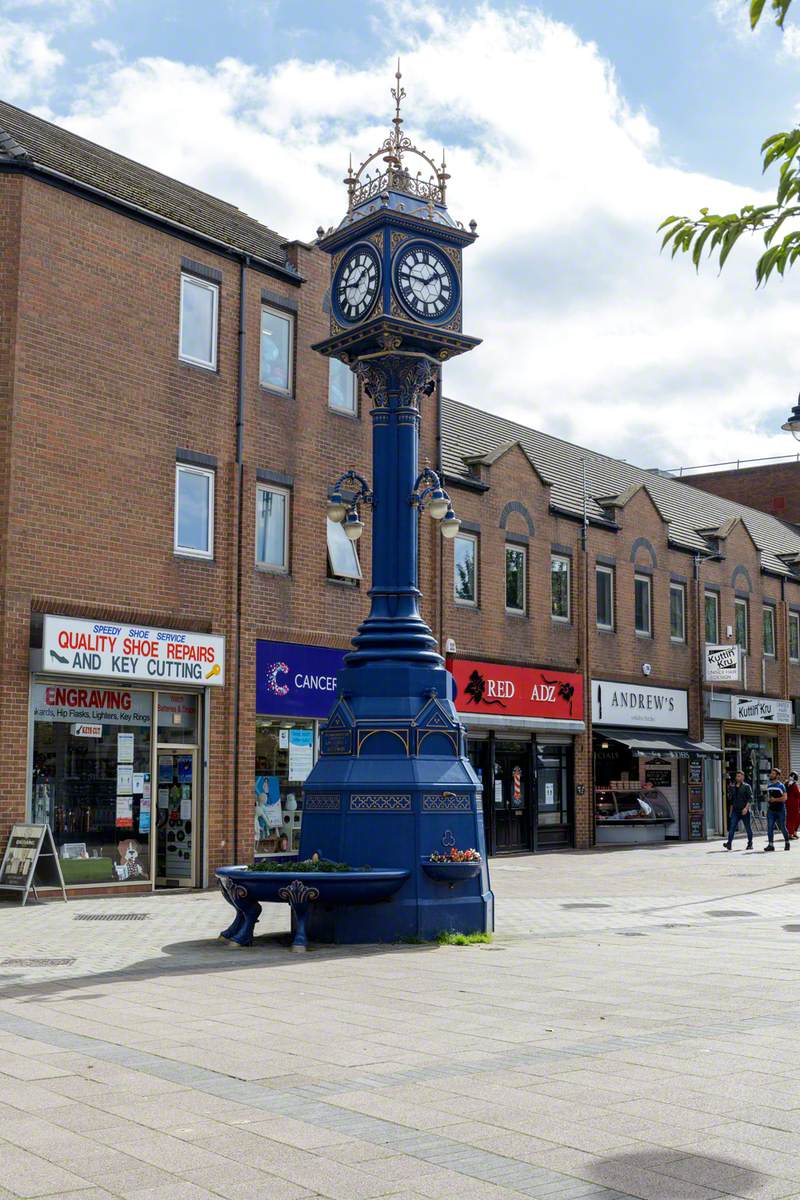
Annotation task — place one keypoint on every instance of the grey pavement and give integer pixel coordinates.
(631, 1032)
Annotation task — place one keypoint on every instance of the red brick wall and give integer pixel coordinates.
(774, 488)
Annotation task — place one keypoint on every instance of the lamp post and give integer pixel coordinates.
(392, 784)
(792, 424)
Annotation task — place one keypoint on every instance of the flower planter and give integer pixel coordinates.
(451, 873)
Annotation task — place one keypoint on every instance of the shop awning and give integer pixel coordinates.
(671, 745)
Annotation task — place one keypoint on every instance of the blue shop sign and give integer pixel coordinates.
(294, 680)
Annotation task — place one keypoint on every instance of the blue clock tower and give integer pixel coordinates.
(392, 784)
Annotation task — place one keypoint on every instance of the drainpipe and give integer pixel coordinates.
(587, 666)
(237, 637)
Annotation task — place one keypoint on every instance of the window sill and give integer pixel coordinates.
(469, 604)
(647, 637)
(676, 641)
(561, 620)
(189, 556)
(605, 629)
(342, 412)
(278, 393)
(266, 569)
(335, 581)
(206, 368)
(516, 612)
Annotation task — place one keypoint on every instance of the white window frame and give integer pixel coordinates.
(190, 551)
(561, 558)
(353, 410)
(707, 595)
(195, 281)
(740, 602)
(282, 315)
(604, 569)
(466, 537)
(283, 569)
(640, 578)
(794, 617)
(332, 527)
(769, 608)
(681, 588)
(513, 548)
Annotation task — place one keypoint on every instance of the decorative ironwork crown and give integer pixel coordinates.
(369, 182)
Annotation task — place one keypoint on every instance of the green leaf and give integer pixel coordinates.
(756, 8)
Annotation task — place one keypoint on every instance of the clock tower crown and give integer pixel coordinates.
(396, 256)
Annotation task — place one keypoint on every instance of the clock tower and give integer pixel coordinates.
(392, 785)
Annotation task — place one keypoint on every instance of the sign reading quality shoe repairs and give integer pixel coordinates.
(132, 652)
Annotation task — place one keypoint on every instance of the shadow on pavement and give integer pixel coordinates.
(685, 1176)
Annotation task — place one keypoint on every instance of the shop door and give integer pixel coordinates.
(511, 798)
(176, 808)
(553, 808)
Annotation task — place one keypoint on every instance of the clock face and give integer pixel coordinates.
(425, 281)
(357, 282)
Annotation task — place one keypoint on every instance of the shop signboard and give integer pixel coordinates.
(136, 653)
(485, 687)
(634, 706)
(293, 680)
(30, 858)
(90, 707)
(723, 664)
(759, 708)
(84, 730)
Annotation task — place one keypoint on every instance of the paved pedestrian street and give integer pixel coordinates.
(631, 1031)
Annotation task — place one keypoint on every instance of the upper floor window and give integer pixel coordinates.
(197, 337)
(794, 636)
(643, 605)
(711, 601)
(515, 579)
(272, 528)
(604, 590)
(342, 553)
(741, 618)
(194, 511)
(769, 631)
(465, 573)
(277, 335)
(559, 587)
(677, 612)
(341, 386)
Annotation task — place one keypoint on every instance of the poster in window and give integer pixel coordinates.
(301, 754)
(124, 747)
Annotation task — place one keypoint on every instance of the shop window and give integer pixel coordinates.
(285, 751)
(194, 511)
(177, 719)
(769, 631)
(742, 623)
(465, 573)
(712, 618)
(91, 780)
(643, 605)
(342, 554)
(559, 587)
(341, 387)
(794, 636)
(272, 528)
(515, 579)
(677, 612)
(277, 336)
(197, 338)
(604, 590)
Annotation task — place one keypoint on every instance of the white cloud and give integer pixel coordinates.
(790, 42)
(588, 332)
(77, 12)
(28, 62)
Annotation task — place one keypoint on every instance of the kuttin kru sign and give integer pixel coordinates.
(132, 652)
(516, 691)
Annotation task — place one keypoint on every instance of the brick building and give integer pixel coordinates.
(772, 487)
(168, 439)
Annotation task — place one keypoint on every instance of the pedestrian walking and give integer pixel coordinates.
(776, 809)
(740, 797)
(793, 805)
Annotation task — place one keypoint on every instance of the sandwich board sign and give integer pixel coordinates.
(30, 858)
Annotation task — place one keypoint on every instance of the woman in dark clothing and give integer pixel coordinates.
(793, 806)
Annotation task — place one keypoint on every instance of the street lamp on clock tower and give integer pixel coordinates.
(392, 783)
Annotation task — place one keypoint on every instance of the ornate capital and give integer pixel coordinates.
(397, 381)
(376, 382)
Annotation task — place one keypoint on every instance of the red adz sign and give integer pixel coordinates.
(516, 691)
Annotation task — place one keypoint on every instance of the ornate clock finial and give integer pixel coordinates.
(398, 95)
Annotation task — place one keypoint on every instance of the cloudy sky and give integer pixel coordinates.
(572, 129)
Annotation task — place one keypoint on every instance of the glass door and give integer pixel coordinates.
(176, 817)
(511, 797)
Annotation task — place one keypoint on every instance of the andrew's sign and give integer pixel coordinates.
(133, 652)
(516, 691)
(632, 705)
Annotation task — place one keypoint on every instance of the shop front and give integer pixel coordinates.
(118, 726)
(747, 728)
(649, 778)
(521, 724)
(295, 690)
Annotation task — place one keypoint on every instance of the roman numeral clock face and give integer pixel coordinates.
(426, 282)
(357, 282)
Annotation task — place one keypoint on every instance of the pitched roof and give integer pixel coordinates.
(28, 140)
(469, 432)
